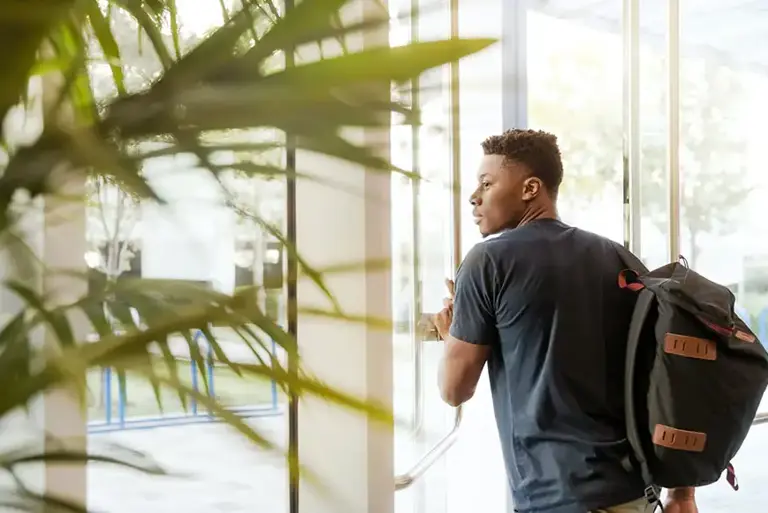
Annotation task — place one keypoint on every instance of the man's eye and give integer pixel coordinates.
(486, 185)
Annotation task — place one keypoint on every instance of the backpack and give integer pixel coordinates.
(694, 377)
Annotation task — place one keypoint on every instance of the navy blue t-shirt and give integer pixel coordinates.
(545, 297)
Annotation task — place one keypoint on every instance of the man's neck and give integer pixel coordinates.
(536, 212)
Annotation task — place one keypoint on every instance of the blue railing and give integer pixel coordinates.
(758, 324)
(192, 416)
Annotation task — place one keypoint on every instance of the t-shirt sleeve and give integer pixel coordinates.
(474, 312)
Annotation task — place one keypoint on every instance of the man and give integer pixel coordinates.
(538, 300)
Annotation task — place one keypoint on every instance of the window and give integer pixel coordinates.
(195, 237)
(723, 186)
(575, 92)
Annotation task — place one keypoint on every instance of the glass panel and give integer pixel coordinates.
(480, 101)
(723, 116)
(435, 240)
(422, 256)
(476, 473)
(196, 237)
(407, 406)
(654, 178)
(575, 92)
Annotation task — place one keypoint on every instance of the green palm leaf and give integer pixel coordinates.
(226, 82)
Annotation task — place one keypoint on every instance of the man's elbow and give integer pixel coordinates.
(455, 396)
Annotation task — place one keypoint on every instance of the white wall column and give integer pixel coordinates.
(62, 252)
(347, 224)
(53, 228)
(353, 455)
(64, 419)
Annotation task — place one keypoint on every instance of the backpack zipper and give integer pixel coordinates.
(731, 331)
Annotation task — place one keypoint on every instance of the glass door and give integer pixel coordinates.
(424, 255)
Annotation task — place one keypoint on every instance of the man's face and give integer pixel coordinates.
(500, 199)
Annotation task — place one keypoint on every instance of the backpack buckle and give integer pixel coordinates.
(651, 494)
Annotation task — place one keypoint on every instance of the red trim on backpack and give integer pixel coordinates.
(631, 285)
(728, 332)
(717, 328)
(730, 476)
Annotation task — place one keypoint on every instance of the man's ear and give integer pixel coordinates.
(532, 187)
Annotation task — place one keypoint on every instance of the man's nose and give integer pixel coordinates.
(474, 200)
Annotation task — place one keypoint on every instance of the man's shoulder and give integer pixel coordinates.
(477, 263)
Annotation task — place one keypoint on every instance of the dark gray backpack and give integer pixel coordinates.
(695, 375)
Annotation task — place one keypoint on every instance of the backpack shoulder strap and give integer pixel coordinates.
(642, 308)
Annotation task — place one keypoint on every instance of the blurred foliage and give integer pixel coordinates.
(118, 83)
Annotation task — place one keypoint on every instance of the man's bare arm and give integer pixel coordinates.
(681, 493)
(460, 370)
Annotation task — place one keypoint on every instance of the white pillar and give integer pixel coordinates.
(54, 230)
(64, 247)
(352, 454)
(63, 255)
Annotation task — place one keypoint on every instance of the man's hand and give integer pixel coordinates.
(444, 318)
(681, 500)
(462, 361)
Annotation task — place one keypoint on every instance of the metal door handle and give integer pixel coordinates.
(405, 480)
(418, 384)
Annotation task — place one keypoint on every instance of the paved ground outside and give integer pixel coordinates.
(219, 471)
(222, 473)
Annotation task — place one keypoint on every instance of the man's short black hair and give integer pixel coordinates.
(535, 149)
